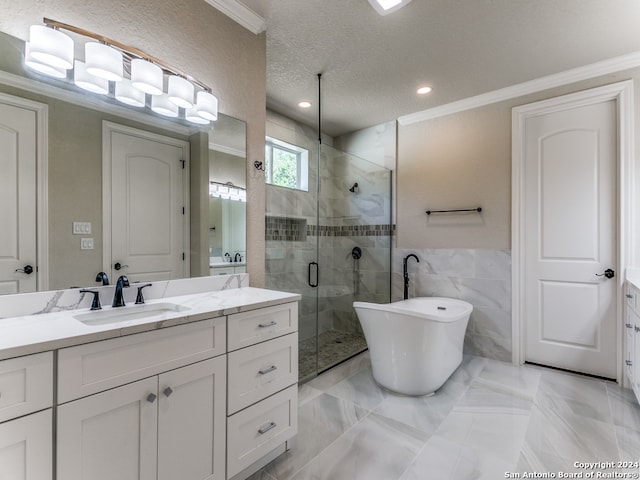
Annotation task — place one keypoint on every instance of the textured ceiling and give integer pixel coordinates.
(372, 65)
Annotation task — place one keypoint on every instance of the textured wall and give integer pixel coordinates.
(193, 37)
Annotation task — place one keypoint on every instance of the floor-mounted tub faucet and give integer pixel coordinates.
(405, 274)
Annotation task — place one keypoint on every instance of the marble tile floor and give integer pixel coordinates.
(333, 347)
(490, 420)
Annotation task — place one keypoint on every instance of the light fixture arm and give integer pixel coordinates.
(129, 52)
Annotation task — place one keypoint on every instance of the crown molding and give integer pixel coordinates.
(573, 75)
(224, 149)
(241, 14)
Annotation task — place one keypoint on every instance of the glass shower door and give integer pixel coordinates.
(332, 245)
(354, 249)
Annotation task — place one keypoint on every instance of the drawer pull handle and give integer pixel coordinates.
(167, 391)
(264, 371)
(628, 362)
(265, 429)
(628, 325)
(151, 397)
(265, 325)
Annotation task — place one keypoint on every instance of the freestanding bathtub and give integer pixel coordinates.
(416, 344)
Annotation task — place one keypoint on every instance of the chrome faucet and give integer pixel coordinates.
(118, 297)
(237, 257)
(405, 274)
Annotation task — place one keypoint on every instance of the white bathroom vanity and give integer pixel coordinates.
(188, 386)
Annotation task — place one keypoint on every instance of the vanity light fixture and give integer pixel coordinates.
(50, 51)
(227, 191)
(50, 47)
(424, 90)
(146, 76)
(180, 91)
(86, 81)
(207, 105)
(192, 115)
(162, 105)
(384, 7)
(304, 104)
(128, 94)
(40, 67)
(103, 61)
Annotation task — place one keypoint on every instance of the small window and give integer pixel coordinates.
(286, 165)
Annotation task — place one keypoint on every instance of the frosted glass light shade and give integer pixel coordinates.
(51, 47)
(207, 105)
(36, 65)
(163, 106)
(192, 116)
(180, 91)
(86, 81)
(125, 93)
(103, 61)
(146, 76)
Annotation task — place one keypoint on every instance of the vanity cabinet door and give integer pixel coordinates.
(110, 435)
(26, 448)
(192, 422)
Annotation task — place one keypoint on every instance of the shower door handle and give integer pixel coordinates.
(311, 265)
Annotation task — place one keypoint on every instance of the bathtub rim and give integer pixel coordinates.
(394, 307)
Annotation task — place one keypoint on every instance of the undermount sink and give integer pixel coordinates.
(123, 314)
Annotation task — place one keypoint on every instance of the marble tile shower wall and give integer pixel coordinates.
(480, 277)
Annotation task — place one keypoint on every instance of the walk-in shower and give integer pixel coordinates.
(333, 247)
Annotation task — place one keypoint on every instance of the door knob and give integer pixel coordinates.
(119, 266)
(608, 273)
(28, 269)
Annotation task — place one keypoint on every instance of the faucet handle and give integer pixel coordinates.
(95, 304)
(139, 297)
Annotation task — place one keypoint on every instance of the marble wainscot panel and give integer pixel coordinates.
(23, 304)
(480, 277)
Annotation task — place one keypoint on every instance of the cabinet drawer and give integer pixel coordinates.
(26, 385)
(94, 367)
(249, 328)
(261, 370)
(254, 432)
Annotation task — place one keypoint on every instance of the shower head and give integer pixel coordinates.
(355, 188)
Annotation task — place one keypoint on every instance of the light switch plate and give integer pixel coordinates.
(86, 244)
(81, 228)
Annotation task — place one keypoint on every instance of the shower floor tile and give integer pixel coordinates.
(334, 346)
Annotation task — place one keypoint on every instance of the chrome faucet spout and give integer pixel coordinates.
(118, 296)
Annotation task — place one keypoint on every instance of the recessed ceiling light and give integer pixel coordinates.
(384, 7)
(424, 90)
(304, 104)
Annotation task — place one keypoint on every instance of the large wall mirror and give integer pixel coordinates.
(78, 140)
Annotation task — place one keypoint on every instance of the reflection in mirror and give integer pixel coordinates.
(65, 227)
(227, 203)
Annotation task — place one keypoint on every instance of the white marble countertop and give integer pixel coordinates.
(226, 264)
(49, 331)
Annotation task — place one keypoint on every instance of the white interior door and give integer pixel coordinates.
(18, 150)
(146, 218)
(570, 238)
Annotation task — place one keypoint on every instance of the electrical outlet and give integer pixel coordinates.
(82, 228)
(86, 244)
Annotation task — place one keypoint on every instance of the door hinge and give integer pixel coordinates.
(183, 162)
(183, 210)
(183, 256)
